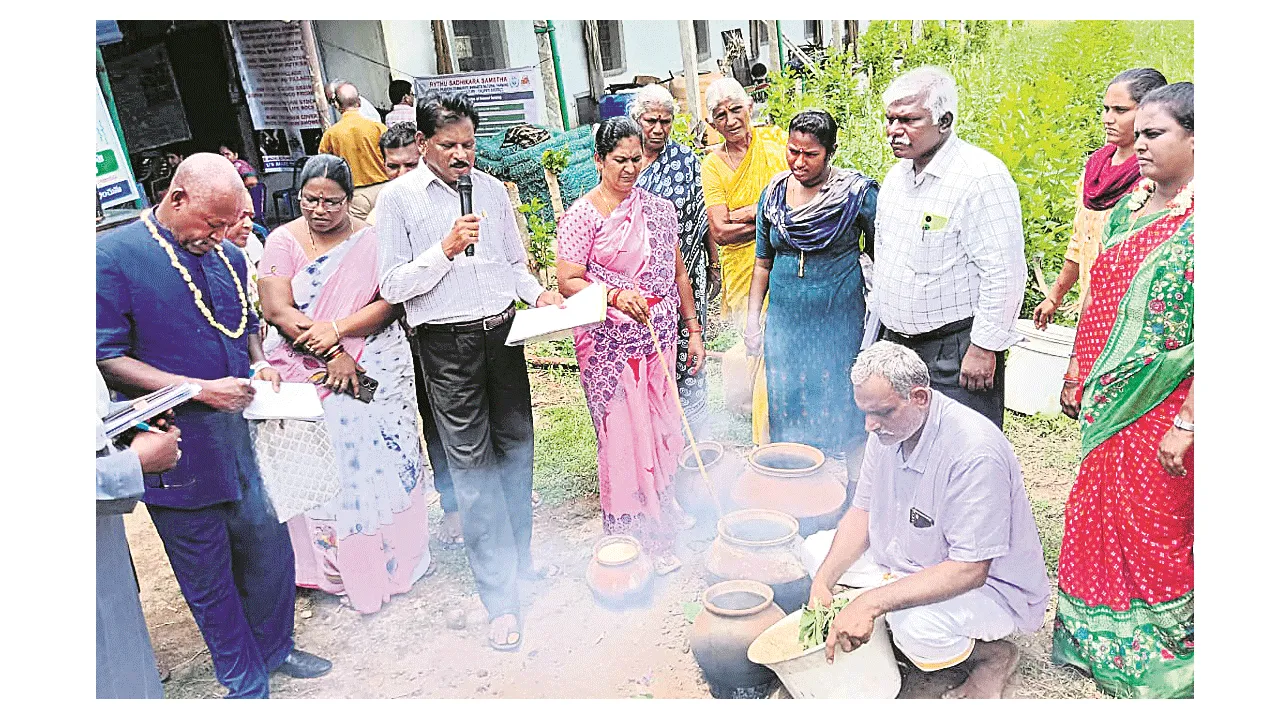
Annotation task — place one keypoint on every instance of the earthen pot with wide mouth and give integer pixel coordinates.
(794, 479)
(734, 613)
(723, 467)
(763, 546)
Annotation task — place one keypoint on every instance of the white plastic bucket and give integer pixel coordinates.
(1035, 366)
(870, 672)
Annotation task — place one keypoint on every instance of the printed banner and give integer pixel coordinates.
(115, 182)
(503, 97)
(278, 88)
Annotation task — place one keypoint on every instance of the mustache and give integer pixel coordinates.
(459, 164)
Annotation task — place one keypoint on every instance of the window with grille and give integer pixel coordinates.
(610, 45)
(479, 45)
(702, 38)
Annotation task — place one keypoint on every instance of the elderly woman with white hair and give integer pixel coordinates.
(733, 176)
(671, 171)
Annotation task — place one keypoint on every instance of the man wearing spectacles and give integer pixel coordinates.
(354, 138)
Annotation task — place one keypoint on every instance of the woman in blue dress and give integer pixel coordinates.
(814, 222)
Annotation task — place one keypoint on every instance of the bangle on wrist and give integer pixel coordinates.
(1181, 424)
(336, 331)
(257, 367)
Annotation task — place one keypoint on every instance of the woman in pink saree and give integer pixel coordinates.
(628, 239)
(319, 287)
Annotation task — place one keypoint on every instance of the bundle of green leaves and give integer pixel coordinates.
(815, 623)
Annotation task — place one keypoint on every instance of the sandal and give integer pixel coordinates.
(510, 645)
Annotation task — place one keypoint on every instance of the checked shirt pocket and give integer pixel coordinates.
(936, 251)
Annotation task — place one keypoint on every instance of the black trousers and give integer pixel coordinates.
(440, 476)
(943, 350)
(479, 394)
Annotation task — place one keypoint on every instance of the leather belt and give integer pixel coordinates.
(482, 325)
(941, 332)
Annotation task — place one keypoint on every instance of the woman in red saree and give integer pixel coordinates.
(1126, 572)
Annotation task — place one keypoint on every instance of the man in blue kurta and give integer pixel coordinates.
(173, 308)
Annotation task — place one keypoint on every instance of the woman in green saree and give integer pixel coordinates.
(1126, 572)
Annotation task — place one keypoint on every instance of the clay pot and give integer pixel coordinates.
(795, 479)
(723, 467)
(764, 546)
(620, 574)
(734, 613)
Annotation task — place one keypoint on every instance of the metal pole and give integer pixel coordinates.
(105, 83)
(782, 54)
(555, 63)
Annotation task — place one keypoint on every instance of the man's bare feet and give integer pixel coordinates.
(991, 666)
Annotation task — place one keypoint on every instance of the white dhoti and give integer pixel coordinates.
(933, 636)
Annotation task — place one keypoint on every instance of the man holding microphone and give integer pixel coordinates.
(452, 255)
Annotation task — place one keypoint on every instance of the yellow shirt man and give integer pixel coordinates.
(354, 138)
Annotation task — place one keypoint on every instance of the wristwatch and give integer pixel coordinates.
(254, 368)
(1181, 424)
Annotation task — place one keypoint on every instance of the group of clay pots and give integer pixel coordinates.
(764, 504)
(781, 492)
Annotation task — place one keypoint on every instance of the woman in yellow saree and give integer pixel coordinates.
(733, 176)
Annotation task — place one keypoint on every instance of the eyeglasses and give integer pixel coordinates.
(312, 203)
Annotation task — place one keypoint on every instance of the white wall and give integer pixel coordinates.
(411, 48)
(363, 37)
(522, 51)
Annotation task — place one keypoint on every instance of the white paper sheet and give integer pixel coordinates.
(295, 401)
(587, 307)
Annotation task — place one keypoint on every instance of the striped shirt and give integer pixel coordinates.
(415, 212)
(949, 246)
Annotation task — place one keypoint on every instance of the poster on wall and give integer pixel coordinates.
(115, 182)
(278, 88)
(503, 97)
(147, 99)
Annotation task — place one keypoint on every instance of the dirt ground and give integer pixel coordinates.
(572, 647)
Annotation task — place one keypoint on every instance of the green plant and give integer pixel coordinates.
(682, 132)
(815, 623)
(555, 160)
(542, 232)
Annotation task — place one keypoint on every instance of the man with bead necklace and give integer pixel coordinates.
(173, 308)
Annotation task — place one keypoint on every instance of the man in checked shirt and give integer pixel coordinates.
(950, 270)
(461, 307)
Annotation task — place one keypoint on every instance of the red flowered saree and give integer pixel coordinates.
(1126, 573)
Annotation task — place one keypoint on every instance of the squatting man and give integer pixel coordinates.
(940, 530)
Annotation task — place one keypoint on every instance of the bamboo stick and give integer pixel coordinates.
(693, 442)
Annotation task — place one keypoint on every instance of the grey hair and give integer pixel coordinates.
(935, 85)
(898, 364)
(725, 89)
(650, 97)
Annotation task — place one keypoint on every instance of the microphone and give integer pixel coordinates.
(464, 192)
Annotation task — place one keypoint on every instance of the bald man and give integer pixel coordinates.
(354, 138)
(367, 108)
(173, 308)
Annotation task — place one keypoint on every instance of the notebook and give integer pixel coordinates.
(587, 307)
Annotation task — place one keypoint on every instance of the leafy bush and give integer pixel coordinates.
(1030, 94)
